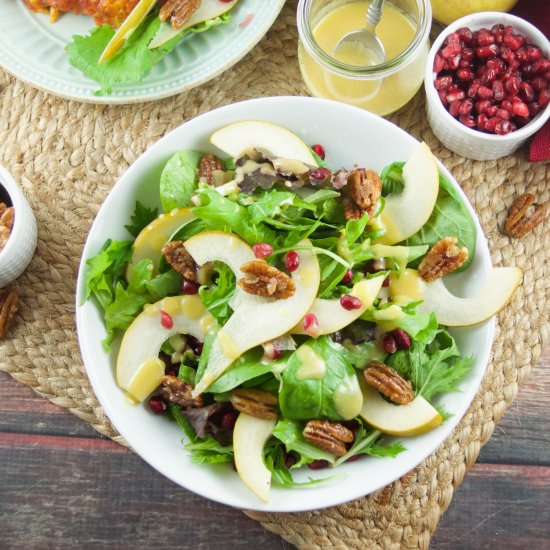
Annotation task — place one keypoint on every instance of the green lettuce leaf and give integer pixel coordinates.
(141, 218)
(178, 181)
(216, 296)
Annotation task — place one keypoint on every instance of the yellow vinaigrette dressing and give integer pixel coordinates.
(380, 95)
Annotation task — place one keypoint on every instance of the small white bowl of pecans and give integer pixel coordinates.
(18, 231)
(487, 84)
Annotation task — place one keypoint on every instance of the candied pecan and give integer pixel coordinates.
(362, 193)
(208, 164)
(8, 308)
(258, 403)
(5, 233)
(443, 258)
(3, 208)
(178, 12)
(181, 261)
(524, 214)
(388, 382)
(328, 436)
(7, 217)
(179, 391)
(262, 279)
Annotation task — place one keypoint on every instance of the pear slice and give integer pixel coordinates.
(415, 418)
(152, 238)
(330, 314)
(240, 137)
(130, 24)
(406, 213)
(255, 320)
(138, 368)
(208, 9)
(453, 311)
(249, 437)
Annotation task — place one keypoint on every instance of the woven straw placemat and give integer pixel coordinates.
(67, 155)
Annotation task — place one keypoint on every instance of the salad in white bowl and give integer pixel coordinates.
(290, 315)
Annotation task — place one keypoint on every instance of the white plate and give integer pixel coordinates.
(33, 50)
(349, 135)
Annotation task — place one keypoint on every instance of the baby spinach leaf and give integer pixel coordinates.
(178, 181)
(216, 297)
(310, 392)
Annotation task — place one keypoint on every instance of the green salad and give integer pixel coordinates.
(275, 309)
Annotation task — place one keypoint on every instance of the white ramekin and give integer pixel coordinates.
(20, 247)
(465, 141)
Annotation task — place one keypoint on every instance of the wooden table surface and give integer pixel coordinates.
(62, 485)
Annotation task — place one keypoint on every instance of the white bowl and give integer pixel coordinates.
(465, 141)
(20, 247)
(349, 135)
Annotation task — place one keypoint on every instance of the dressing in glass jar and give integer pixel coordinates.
(382, 88)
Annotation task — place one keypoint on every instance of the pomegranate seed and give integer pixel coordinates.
(353, 458)
(544, 98)
(520, 109)
(538, 83)
(498, 90)
(507, 105)
(292, 261)
(465, 64)
(503, 113)
(465, 74)
(451, 51)
(454, 108)
(513, 41)
(439, 64)
(157, 404)
(474, 88)
(311, 325)
(402, 338)
(533, 53)
(527, 69)
(508, 29)
(195, 344)
(465, 34)
(262, 250)
(386, 282)
(484, 38)
(189, 287)
(165, 320)
(466, 107)
(512, 85)
(521, 54)
(541, 66)
(503, 127)
(319, 150)
(467, 120)
(453, 38)
(350, 302)
(506, 54)
(497, 28)
(481, 120)
(443, 97)
(496, 64)
(347, 278)
(290, 460)
(468, 54)
(271, 352)
(546, 75)
(487, 51)
(454, 62)
(456, 96)
(526, 92)
(491, 124)
(228, 420)
(488, 76)
(320, 174)
(492, 110)
(484, 92)
(534, 108)
(389, 344)
(443, 82)
(318, 464)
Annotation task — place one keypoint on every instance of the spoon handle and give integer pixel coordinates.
(374, 13)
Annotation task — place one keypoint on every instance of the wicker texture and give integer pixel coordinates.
(66, 157)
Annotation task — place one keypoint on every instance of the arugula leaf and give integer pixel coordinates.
(178, 181)
(268, 204)
(290, 433)
(392, 178)
(203, 361)
(134, 60)
(183, 423)
(356, 228)
(141, 218)
(216, 297)
(320, 162)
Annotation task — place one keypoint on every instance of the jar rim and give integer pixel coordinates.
(358, 72)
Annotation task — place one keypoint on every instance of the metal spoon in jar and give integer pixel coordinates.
(363, 47)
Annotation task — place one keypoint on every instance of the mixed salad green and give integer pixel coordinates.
(252, 198)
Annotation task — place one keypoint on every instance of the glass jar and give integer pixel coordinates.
(383, 88)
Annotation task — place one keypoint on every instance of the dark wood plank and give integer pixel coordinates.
(498, 506)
